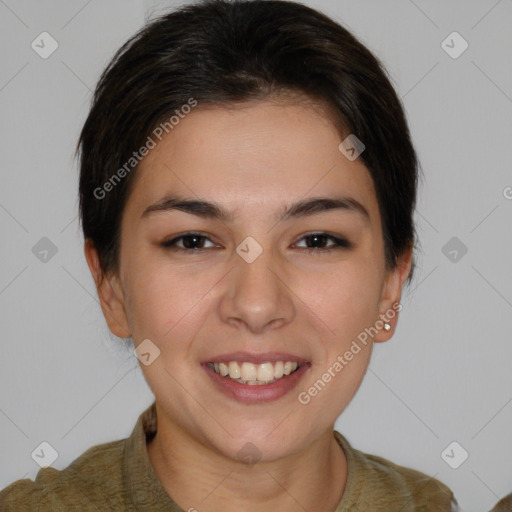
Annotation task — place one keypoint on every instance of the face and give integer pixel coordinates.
(255, 292)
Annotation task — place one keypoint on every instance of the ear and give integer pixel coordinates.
(109, 292)
(391, 293)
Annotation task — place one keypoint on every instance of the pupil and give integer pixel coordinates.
(191, 237)
(316, 237)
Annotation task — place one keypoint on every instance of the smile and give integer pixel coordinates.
(254, 374)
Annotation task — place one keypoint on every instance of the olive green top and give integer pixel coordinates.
(118, 476)
(504, 505)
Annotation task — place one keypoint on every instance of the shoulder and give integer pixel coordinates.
(504, 505)
(423, 491)
(94, 477)
(380, 481)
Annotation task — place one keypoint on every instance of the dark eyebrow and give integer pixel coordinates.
(210, 210)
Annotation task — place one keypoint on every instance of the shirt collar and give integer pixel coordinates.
(142, 485)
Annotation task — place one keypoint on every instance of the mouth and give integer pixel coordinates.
(254, 374)
(253, 378)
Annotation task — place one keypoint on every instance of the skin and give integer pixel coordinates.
(253, 159)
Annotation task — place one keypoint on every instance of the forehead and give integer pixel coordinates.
(251, 157)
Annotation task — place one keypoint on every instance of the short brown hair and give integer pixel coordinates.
(218, 52)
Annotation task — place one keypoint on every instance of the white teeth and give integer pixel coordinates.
(234, 370)
(279, 370)
(252, 374)
(289, 367)
(223, 369)
(265, 372)
(248, 372)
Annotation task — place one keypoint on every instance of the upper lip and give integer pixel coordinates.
(255, 358)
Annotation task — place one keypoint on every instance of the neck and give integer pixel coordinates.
(197, 478)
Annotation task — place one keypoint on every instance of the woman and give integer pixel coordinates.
(247, 190)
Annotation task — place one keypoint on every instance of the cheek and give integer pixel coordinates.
(345, 300)
(168, 304)
(332, 385)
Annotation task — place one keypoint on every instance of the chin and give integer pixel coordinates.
(258, 443)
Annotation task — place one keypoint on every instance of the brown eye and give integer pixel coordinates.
(318, 241)
(190, 242)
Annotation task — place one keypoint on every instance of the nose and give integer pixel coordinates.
(257, 297)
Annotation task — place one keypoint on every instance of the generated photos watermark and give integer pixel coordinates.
(305, 397)
(137, 156)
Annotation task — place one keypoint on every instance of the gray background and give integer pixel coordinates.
(445, 375)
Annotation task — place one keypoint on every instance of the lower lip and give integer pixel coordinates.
(259, 392)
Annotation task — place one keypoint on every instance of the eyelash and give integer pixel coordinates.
(340, 243)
